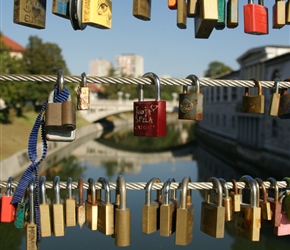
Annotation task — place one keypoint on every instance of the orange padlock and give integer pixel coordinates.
(7, 209)
(172, 4)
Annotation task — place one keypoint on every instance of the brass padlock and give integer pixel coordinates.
(142, 9)
(284, 106)
(92, 208)
(227, 200)
(70, 206)
(206, 18)
(184, 215)
(288, 12)
(266, 212)
(45, 210)
(75, 14)
(253, 103)
(168, 211)
(106, 209)
(81, 209)
(232, 14)
(247, 222)
(30, 13)
(275, 204)
(83, 94)
(191, 8)
(122, 215)
(279, 14)
(181, 14)
(102, 18)
(61, 8)
(212, 220)
(151, 209)
(236, 197)
(275, 100)
(191, 104)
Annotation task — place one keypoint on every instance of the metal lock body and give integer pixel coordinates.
(75, 14)
(31, 228)
(172, 4)
(232, 14)
(221, 22)
(70, 206)
(279, 14)
(30, 13)
(275, 204)
(21, 212)
(226, 200)
(184, 215)
(142, 9)
(81, 209)
(247, 222)
(61, 8)
(253, 103)
(191, 104)
(191, 8)
(266, 212)
(181, 14)
(150, 116)
(288, 12)
(83, 94)
(106, 209)
(256, 18)
(168, 211)
(102, 18)
(58, 210)
(91, 207)
(45, 210)
(284, 107)
(275, 100)
(212, 220)
(122, 215)
(206, 18)
(7, 210)
(236, 197)
(151, 209)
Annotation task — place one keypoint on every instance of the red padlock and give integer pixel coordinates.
(150, 116)
(256, 18)
(7, 209)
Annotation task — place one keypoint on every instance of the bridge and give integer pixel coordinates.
(101, 108)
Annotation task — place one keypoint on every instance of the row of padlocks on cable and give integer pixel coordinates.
(167, 213)
(207, 14)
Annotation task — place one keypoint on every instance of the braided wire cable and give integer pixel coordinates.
(140, 80)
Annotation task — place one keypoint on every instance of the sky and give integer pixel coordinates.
(166, 49)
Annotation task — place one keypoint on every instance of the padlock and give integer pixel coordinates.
(75, 13)
(266, 212)
(92, 208)
(191, 8)
(122, 215)
(288, 12)
(256, 18)
(151, 209)
(212, 220)
(150, 116)
(191, 104)
(60, 8)
(232, 14)
(102, 18)
(221, 22)
(60, 117)
(70, 206)
(81, 209)
(184, 215)
(253, 103)
(236, 197)
(172, 4)
(30, 13)
(21, 212)
(247, 222)
(286, 199)
(105, 209)
(7, 210)
(206, 18)
(83, 94)
(284, 106)
(44, 209)
(275, 100)
(31, 228)
(142, 9)
(279, 14)
(284, 227)
(58, 210)
(168, 211)
(181, 14)
(275, 204)
(226, 200)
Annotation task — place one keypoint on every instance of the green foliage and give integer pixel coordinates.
(216, 68)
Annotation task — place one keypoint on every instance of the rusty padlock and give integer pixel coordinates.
(253, 103)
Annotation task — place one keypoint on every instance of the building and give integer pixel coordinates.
(100, 67)
(15, 49)
(129, 65)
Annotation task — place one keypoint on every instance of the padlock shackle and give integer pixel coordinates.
(84, 80)
(276, 85)
(273, 183)
(9, 186)
(235, 186)
(60, 80)
(56, 186)
(31, 200)
(106, 187)
(140, 92)
(121, 197)
(265, 192)
(252, 184)
(185, 193)
(156, 81)
(42, 183)
(69, 188)
(148, 189)
(92, 190)
(287, 179)
(81, 191)
(258, 85)
(195, 82)
(225, 187)
(166, 188)
(219, 190)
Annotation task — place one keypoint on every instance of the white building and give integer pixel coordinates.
(100, 67)
(129, 65)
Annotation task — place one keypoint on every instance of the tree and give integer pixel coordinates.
(216, 68)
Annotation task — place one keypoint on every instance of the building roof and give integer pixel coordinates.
(15, 47)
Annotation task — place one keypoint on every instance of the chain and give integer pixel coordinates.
(140, 80)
